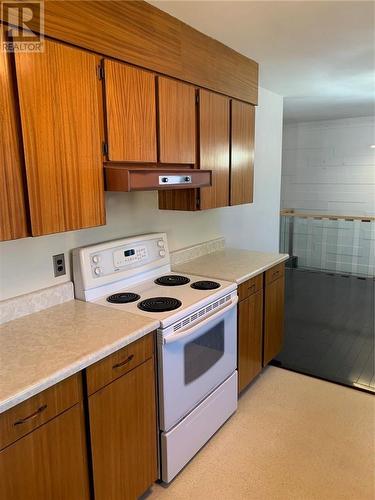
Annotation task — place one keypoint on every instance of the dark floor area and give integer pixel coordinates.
(329, 327)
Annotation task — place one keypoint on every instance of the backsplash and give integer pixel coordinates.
(36, 301)
(192, 252)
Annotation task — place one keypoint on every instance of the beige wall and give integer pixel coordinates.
(26, 265)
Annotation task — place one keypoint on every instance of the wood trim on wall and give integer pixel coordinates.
(140, 34)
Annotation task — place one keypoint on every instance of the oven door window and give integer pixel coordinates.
(203, 352)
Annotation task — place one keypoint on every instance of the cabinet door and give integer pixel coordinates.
(60, 101)
(273, 319)
(49, 463)
(177, 122)
(242, 152)
(13, 216)
(123, 435)
(250, 316)
(214, 147)
(131, 113)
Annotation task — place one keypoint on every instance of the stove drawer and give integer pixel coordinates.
(120, 362)
(181, 443)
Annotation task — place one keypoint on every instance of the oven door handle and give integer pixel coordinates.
(175, 338)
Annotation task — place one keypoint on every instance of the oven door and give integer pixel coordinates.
(194, 361)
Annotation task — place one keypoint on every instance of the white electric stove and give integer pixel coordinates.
(197, 338)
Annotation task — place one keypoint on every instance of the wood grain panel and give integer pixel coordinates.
(139, 33)
(214, 147)
(131, 113)
(210, 64)
(49, 463)
(275, 272)
(273, 319)
(250, 336)
(250, 286)
(35, 411)
(119, 363)
(177, 122)
(242, 152)
(13, 211)
(123, 435)
(178, 199)
(60, 97)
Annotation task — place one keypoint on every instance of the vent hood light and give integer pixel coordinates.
(127, 178)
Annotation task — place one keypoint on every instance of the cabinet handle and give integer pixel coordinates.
(30, 417)
(275, 273)
(252, 287)
(122, 363)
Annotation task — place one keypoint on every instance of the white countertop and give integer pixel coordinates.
(41, 349)
(231, 264)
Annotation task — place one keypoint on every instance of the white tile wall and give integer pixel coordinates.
(339, 246)
(329, 166)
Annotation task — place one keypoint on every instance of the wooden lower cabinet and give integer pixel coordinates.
(274, 303)
(123, 435)
(250, 319)
(260, 322)
(48, 463)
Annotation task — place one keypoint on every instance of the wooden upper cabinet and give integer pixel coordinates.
(214, 147)
(177, 122)
(242, 152)
(13, 216)
(131, 113)
(61, 114)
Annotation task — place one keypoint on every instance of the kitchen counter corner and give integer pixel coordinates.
(231, 264)
(41, 349)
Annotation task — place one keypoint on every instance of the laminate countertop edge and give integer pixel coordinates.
(260, 270)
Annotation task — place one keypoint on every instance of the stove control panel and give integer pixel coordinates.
(128, 256)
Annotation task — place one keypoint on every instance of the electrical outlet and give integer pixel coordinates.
(59, 264)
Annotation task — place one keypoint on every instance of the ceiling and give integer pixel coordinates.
(319, 55)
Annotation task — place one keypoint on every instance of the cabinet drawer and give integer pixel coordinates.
(275, 272)
(34, 412)
(250, 286)
(118, 363)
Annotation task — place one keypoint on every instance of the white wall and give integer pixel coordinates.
(26, 265)
(329, 167)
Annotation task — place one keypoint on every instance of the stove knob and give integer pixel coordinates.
(162, 253)
(161, 243)
(96, 259)
(98, 271)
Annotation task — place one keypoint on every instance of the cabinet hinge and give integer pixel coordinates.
(101, 72)
(105, 148)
